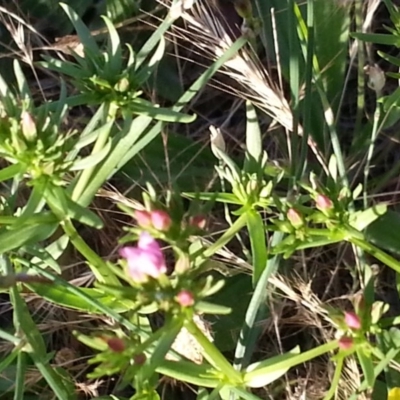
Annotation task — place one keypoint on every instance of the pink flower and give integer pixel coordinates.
(352, 320)
(294, 218)
(145, 260)
(345, 343)
(160, 220)
(143, 218)
(323, 202)
(185, 298)
(198, 221)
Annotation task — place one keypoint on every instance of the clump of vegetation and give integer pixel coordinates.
(206, 208)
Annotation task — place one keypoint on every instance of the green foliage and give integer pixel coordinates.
(271, 211)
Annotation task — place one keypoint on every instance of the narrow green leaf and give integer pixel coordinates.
(22, 83)
(367, 366)
(83, 32)
(19, 390)
(10, 172)
(92, 160)
(114, 50)
(253, 139)
(16, 238)
(58, 295)
(121, 146)
(256, 311)
(257, 234)
(185, 371)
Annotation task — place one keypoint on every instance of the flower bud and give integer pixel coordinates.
(198, 221)
(352, 320)
(122, 85)
(139, 359)
(346, 343)
(323, 202)
(160, 220)
(143, 218)
(185, 298)
(116, 345)
(182, 264)
(28, 126)
(217, 141)
(295, 218)
(376, 76)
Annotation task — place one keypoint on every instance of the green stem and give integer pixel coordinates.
(270, 368)
(359, 18)
(213, 355)
(96, 263)
(377, 253)
(335, 380)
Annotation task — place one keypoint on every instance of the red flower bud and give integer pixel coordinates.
(198, 221)
(346, 343)
(185, 298)
(116, 345)
(139, 359)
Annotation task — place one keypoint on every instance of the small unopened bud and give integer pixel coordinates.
(143, 218)
(182, 264)
(139, 359)
(295, 218)
(116, 345)
(122, 85)
(198, 221)
(160, 220)
(28, 126)
(376, 76)
(185, 298)
(346, 343)
(217, 141)
(323, 202)
(352, 320)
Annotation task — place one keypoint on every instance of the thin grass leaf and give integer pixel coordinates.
(19, 390)
(9, 337)
(23, 321)
(23, 86)
(185, 371)
(228, 235)
(92, 160)
(16, 238)
(122, 145)
(57, 295)
(10, 172)
(89, 299)
(367, 366)
(83, 32)
(256, 311)
(154, 39)
(114, 64)
(145, 72)
(9, 360)
(253, 140)
(143, 107)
